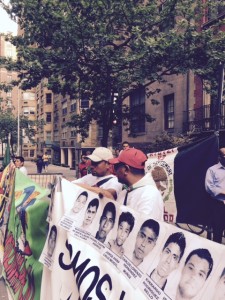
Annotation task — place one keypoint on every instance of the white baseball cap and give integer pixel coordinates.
(100, 153)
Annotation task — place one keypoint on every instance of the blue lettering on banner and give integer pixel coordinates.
(82, 270)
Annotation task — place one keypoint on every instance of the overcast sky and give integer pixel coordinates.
(6, 24)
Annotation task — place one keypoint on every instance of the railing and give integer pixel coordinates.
(203, 119)
(45, 179)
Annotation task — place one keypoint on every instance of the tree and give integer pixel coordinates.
(96, 49)
(9, 127)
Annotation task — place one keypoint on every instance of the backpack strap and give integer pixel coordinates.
(101, 182)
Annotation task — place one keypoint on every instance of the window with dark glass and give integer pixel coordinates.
(137, 107)
(73, 107)
(169, 111)
(64, 111)
(48, 117)
(48, 98)
(84, 103)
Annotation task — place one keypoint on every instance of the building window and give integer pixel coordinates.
(48, 98)
(31, 153)
(25, 153)
(28, 96)
(73, 107)
(64, 111)
(48, 135)
(73, 133)
(48, 117)
(169, 111)
(137, 107)
(84, 103)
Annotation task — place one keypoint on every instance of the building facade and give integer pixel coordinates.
(183, 105)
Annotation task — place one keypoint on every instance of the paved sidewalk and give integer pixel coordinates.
(66, 172)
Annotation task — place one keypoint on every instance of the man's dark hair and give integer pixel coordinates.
(83, 194)
(127, 217)
(125, 142)
(136, 171)
(93, 202)
(179, 239)
(151, 224)
(53, 229)
(109, 207)
(203, 254)
(20, 158)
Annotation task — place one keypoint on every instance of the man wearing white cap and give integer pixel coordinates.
(101, 180)
(142, 194)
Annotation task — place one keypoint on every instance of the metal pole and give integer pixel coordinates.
(18, 125)
(220, 95)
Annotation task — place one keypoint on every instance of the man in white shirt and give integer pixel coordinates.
(101, 180)
(19, 163)
(141, 193)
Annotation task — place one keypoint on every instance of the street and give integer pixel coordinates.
(52, 169)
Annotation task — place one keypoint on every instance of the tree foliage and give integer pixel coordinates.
(96, 49)
(9, 128)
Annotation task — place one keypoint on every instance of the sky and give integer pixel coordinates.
(6, 24)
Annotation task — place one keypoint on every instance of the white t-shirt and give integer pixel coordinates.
(93, 180)
(144, 198)
(23, 170)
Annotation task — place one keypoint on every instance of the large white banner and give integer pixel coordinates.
(96, 249)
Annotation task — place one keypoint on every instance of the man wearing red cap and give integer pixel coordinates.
(101, 180)
(141, 194)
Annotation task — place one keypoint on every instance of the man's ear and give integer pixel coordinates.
(127, 168)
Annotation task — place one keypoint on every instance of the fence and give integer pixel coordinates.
(44, 179)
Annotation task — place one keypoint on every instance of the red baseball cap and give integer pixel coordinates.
(132, 157)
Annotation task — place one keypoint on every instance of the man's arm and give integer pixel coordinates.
(108, 193)
(210, 185)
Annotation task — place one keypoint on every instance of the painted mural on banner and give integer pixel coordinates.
(24, 238)
(97, 249)
(161, 166)
(6, 193)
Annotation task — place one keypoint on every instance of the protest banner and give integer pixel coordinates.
(6, 193)
(102, 250)
(24, 238)
(179, 174)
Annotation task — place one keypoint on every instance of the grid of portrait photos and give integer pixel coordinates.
(160, 259)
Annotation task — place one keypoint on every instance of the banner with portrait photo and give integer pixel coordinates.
(179, 175)
(161, 166)
(97, 249)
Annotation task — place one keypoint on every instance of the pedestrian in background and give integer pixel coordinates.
(39, 164)
(45, 161)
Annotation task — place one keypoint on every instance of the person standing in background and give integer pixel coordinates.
(39, 164)
(19, 163)
(84, 165)
(45, 161)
